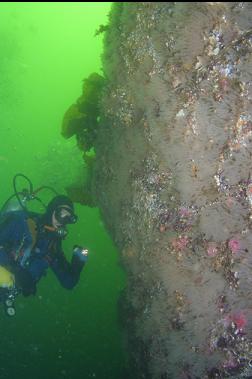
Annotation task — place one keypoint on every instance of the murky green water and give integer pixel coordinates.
(46, 49)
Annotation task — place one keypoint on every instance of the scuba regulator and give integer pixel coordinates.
(18, 200)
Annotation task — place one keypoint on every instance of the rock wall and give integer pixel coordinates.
(172, 177)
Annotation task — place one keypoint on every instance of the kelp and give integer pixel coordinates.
(82, 118)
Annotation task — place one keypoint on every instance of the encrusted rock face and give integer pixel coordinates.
(172, 177)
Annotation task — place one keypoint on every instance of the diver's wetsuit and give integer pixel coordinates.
(16, 239)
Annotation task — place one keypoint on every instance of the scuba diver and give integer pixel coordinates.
(30, 243)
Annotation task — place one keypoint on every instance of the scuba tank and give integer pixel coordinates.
(18, 200)
(13, 205)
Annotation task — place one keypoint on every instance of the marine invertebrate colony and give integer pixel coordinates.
(172, 180)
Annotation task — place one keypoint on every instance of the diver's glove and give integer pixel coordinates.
(81, 253)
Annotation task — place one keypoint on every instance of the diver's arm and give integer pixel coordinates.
(67, 273)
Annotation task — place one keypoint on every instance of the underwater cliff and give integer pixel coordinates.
(171, 174)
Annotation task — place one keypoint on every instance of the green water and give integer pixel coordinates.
(46, 49)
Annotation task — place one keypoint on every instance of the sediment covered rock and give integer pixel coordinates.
(172, 177)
